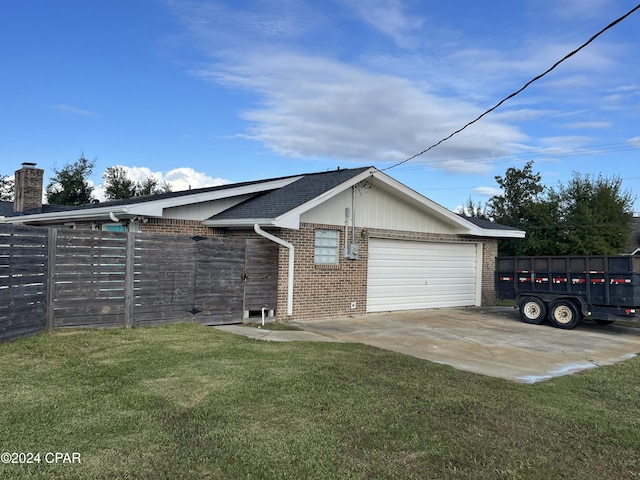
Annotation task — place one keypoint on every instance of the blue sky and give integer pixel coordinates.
(201, 92)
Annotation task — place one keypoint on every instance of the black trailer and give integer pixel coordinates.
(564, 290)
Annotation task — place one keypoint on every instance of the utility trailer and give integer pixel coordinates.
(564, 290)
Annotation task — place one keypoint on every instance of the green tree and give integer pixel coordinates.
(517, 205)
(586, 216)
(6, 188)
(596, 214)
(117, 184)
(70, 185)
(151, 186)
(475, 210)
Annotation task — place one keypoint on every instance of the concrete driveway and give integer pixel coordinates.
(490, 341)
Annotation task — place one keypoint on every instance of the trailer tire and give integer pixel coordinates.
(533, 311)
(564, 314)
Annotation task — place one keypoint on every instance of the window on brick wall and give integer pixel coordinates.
(327, 247)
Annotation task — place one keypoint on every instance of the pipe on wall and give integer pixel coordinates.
(284, 243)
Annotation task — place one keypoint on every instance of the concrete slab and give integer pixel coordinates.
(490, 341)
(275, 335)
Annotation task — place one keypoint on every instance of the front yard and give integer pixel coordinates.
(190, 402)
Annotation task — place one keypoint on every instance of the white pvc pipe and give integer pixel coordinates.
(284, 243)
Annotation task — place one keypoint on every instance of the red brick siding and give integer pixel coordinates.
(327, 291)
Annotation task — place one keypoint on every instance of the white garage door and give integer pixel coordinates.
(407, 275)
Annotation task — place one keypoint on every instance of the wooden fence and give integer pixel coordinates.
(51, 278)
(23, 280)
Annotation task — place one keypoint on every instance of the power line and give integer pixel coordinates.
(589, 150)
(566, 57)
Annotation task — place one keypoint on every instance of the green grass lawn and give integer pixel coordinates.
(190, 402)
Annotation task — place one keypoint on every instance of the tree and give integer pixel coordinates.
(150, 186)
(597, 215)
(517, 206)
(474, 210)
(116, 183)
(587, 216)
(521, 189)
(70, 185)
(6, 188)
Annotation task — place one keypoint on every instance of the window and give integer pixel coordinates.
(327, 247)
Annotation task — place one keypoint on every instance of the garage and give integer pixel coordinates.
(410, 275)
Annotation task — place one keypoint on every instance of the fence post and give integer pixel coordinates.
(128, 279)
(51, 278)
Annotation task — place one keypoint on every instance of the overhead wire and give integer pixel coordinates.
(540, 155)
(517, 92)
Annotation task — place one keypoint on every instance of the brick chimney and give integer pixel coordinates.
(28, 189)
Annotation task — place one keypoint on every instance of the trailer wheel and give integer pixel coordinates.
(564, 314)
(533, 310)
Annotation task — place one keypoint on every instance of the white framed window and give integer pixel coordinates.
(327, 247)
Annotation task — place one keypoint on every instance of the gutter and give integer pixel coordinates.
(284, 243)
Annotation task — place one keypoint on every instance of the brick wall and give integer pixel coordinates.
(174, 227)
(323, 290)
(489, 254)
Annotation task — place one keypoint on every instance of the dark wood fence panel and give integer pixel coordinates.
(219, 289)
(164, 279)
(261, 267)
(83, 278)
(23, 280)
(90, 273)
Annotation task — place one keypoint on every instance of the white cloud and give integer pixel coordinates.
(487, 191)
(182, 178)
(388, 17)
(316, 107)
(73, 110)
(320, 108)
(634, 142)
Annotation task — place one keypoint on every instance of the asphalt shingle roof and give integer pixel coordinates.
(266, 205)
(277, 202)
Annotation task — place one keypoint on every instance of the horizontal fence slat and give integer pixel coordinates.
(168, 278)
(23, 280)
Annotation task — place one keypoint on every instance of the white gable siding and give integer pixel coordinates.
(376, 208)
(203, 210)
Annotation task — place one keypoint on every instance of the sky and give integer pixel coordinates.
(206, 92)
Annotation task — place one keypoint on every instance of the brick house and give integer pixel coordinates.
(351, 241)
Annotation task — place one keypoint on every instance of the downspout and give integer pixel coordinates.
(284, 243)
(113, 217)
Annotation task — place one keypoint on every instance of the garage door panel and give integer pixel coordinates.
(405, 275)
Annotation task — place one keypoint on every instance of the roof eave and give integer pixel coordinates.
(497, 233)
(70, 216)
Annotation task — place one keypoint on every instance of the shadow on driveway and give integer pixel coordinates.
(487, 340)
